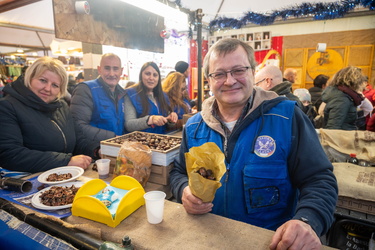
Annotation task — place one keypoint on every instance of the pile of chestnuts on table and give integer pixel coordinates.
(153, 141)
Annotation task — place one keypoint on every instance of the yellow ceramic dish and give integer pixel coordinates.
(87, 206)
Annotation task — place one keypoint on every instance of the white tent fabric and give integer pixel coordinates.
(236, 8)
(39, 15)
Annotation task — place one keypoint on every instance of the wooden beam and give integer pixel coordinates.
(24, 46)
(26, 27)
(14, 4)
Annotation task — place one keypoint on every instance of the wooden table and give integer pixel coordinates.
(180, 230)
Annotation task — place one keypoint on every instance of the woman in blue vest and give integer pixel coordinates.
(147, 106)
(174, 85)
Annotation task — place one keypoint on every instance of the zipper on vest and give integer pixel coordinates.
(225, 147)
(62, 133)
(226, 192)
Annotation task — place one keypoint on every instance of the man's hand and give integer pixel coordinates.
(194, 205)
(295, 234)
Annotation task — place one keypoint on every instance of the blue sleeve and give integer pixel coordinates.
(178, 176)
(312, 173)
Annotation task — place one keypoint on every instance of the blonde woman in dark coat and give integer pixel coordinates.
(37, 129)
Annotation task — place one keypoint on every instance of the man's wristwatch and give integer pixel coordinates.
(304, 220)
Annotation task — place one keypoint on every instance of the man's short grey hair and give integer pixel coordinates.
(226, 46)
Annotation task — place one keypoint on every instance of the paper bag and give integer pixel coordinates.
(210, 157)
(134, 159)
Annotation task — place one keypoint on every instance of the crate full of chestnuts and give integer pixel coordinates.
(164, 147)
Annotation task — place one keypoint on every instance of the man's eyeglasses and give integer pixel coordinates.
(236, 73)
(261, 81)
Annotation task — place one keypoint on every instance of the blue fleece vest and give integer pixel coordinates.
(106, 114)
(154, 110)
(256, 188)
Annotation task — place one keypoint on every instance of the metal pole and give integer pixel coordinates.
(199, 16)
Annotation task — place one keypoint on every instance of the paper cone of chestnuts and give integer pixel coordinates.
(200, 162)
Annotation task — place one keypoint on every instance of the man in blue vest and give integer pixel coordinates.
(98, 105)
(272, 179)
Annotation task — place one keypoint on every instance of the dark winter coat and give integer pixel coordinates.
(340, 111)
(370, 126)
(35, 136)
(316, 96)
(285, 89)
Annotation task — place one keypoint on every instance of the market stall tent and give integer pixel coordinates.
(31, 27)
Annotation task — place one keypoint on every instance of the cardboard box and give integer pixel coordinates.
(111, 147)
(159, 174)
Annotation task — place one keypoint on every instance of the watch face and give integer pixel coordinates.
(304, 220)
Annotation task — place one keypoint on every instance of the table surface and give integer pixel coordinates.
(180, 230)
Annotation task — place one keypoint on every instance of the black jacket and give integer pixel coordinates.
(35, 136)
(316, 96)
(340, 111)
(285, 89)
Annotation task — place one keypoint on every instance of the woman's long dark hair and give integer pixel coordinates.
(158, 92)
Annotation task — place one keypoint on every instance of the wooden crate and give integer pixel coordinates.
(185, 117)
(162, 158)
(363, 206)
(159, 174)
(150, 186)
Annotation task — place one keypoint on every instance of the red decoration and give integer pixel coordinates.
(193, 62)
(276, 44)
(165, 34)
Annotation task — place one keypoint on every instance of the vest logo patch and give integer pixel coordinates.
(265, 146)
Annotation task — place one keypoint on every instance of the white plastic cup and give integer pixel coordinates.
(103, 168)
(154, 206)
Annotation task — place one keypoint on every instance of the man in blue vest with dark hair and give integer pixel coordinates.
(98, 105)
(272, 179)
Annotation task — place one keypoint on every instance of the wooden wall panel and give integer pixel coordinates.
(294, 58)
(360, 55)
(356, 47)
(333, 39)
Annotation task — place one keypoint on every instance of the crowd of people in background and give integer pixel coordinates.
(345, 101)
